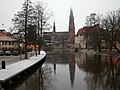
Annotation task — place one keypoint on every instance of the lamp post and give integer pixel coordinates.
(35, 49)
(21, 51)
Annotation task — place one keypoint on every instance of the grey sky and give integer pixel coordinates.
(61, 8)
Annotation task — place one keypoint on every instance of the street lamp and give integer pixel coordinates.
(21, 50)
(35, 49)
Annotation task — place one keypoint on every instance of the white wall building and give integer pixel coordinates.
(7, 41)
(80, 41)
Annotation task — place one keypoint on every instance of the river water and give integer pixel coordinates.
(73, 71)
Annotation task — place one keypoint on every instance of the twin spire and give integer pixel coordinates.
(71, 28)
(71, 21)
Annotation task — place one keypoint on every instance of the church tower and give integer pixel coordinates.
(54, 32)
(71, 32)
(54, 28)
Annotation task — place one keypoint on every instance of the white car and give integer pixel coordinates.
(7, 53)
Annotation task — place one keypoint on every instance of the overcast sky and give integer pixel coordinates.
(61, 9)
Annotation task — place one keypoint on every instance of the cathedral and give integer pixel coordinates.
(63, 39)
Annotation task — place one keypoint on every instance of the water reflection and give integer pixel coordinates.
(32, 80)
(71, 62)
(75, 71)
(102, 72)
(26, 82)
(67, 59)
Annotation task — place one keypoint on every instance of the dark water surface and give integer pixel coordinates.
(74, 71)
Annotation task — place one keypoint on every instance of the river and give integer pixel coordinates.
(73, 71)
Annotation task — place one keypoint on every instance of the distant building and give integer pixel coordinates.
(7, 41)
(56, 39)
(80, 41)
(62, 39)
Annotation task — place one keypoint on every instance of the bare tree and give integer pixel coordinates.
(30, 15)
(22, 19)
(43, 15)
(94, 31)
(19, 17)
(111, 25)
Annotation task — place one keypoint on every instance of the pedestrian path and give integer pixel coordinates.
(18, 67)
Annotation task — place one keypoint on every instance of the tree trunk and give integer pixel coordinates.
(35, 49)
(99, 48)
(117, 49)
(95, 48)
(110, 48)
(39, 49)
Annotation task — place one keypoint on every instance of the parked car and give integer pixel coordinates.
(15, 53)
(7, 53)
(1, 52)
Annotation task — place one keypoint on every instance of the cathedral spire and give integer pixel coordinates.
(54, 28)
(71, 33)
(71, 18)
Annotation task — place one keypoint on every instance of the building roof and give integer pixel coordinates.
(7, 38)
(85, 29)
(2, 30)
(80, 31)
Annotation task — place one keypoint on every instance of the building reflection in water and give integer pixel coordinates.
(102, 72)
(92, 71)
(27, 82)
(39, 80)
(67, 59)
(54, 68)
(71, 62)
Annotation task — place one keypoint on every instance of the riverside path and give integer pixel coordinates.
(16, 68)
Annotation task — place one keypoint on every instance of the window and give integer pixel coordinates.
(9, 43)
(12, 43)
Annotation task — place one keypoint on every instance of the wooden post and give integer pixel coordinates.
(3, 64)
